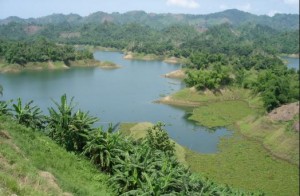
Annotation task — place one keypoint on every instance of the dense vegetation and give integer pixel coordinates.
(132, 31)
(40, 50)
(146, 166)
(264, 74)
(158, 21)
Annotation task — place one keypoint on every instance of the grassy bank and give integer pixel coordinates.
(36, 66)
(246, 164)
(279, 138)
(222, 113)
(32, 164)
(243, 162)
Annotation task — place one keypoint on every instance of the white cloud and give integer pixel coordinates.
(291, 2)
(184, 3)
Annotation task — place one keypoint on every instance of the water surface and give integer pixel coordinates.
(120, 95)
(292, 62)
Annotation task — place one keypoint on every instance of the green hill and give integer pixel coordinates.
(231, 16)
(32, 164)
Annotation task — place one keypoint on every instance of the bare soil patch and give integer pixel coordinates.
(178, 74)
(285, 112)
(5, 135)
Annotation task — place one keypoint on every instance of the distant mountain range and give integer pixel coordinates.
(233, 16)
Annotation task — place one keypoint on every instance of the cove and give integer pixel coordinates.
(292, 62)
(119, 95)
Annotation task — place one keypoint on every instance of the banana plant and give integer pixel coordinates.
(59, 122)
(103, 147)
(80, 126)
(4, 107)
(30, 116)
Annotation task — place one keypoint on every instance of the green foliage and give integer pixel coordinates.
(147, 166)
(29, 153)
(211, 79)
(30, 116)
(263, 73)
(158, 139)
(4, 107)
(276, 87)
(221, 113)
(40, 50)
(67, 128)
(103, 147)
(178, 38)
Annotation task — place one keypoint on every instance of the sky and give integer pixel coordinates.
(39, 8)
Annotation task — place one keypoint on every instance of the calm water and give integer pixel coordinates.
(120, 95)
(292, 62)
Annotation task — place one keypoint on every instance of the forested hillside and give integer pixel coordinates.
(159, 21)
(176, 40)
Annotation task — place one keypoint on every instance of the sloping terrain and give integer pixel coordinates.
(32, 164)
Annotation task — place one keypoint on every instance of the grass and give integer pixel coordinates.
(242, 163)
(277, 137)
(222, 108)
(227, 94)
(139, 130)
(25, 155)
(223, 113)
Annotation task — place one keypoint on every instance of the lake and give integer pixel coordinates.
(292, 62)
(119, 95)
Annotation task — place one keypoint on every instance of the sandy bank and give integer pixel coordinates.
(177, 74)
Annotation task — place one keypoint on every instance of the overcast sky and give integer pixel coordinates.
(37, 8)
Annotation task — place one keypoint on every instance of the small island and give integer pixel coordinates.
(41, 54)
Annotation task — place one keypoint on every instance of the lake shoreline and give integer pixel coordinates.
(234, 151)
(209, 105)
(152, 57)
(56, 65)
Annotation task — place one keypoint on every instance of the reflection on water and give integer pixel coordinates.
(120, 95)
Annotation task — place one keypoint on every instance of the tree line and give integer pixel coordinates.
(39, 50)
(265, 74)
(176, 39)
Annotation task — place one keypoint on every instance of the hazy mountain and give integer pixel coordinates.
(233, 16)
